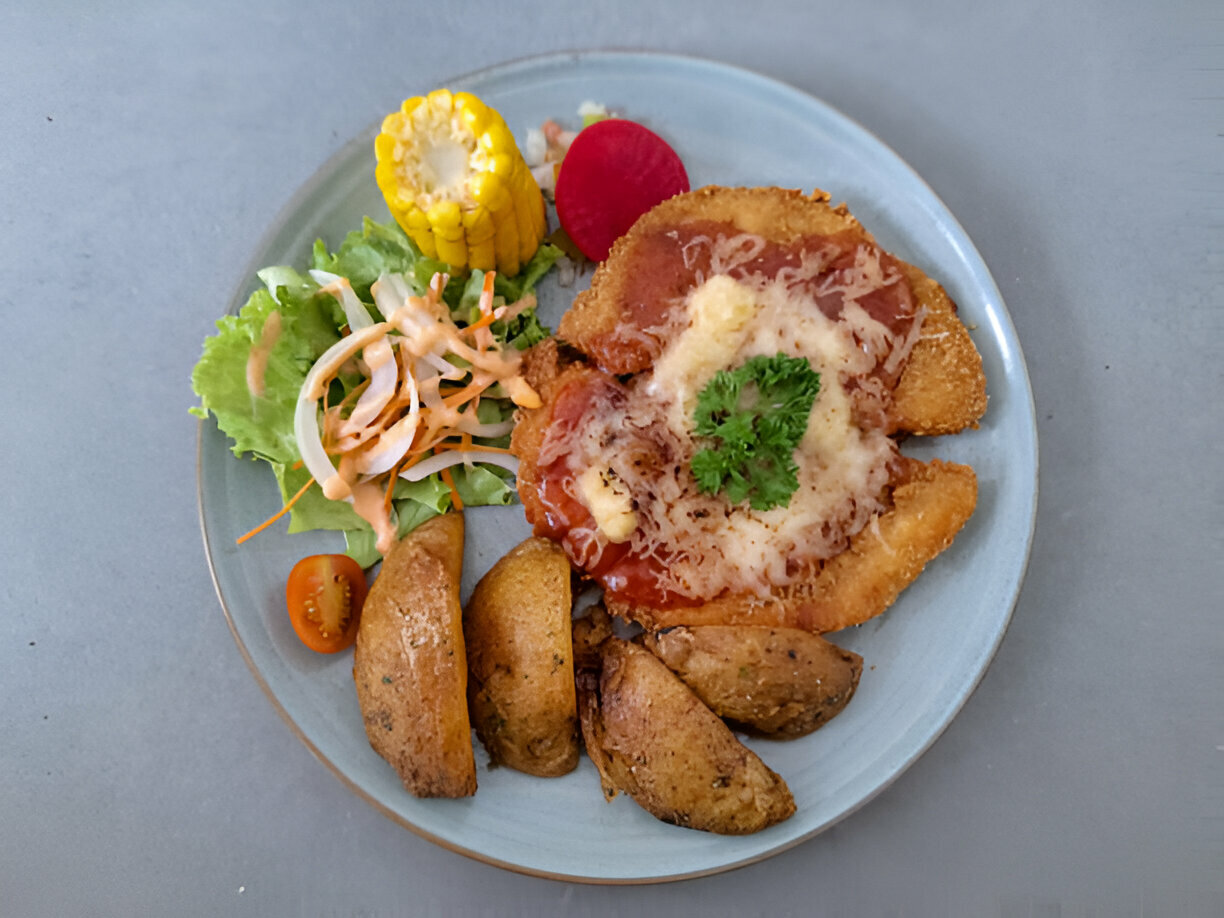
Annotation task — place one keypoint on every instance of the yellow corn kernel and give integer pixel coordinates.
(539, 220)
(489, 189)
(474, 113)
(416, 225)
(456, 182)
(482, 256)
(506, 245)
(478, 224)
(525, 227)
(530, 218)
(445, 220)
(440, 101)
(452, 251)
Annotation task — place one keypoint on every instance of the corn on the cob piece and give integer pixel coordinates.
(456, 182)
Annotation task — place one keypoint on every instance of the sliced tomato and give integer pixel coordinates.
(325, 594)
(614, 171)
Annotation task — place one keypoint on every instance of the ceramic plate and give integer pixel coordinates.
(922, 658)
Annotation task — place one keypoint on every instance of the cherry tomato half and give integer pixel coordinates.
(324, 595)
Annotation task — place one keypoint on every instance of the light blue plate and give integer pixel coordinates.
(923, 657)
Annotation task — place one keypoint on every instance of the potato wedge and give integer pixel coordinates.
(652, 738)
(409, 666)
(783, 682)
(520, 661)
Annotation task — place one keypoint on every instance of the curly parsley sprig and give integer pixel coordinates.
(755, 415)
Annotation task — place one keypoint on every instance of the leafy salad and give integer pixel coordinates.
(252, 373)
(380, 382)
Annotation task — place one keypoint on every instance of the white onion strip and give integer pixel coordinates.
(387, 295)
(407, 357)
(488, 431)
(392, 445)
(381, 359)
(445, 460)
(306, 415)
(446, 369)
(354, 310)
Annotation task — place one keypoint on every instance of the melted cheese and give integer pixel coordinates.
(718, 314)
(631, 461)
(609, 502)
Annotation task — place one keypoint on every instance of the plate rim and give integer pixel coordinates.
(324, 171)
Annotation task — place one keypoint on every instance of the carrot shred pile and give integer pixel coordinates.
(416, 413)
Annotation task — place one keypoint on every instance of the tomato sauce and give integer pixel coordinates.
(668, 262)
(567, 520)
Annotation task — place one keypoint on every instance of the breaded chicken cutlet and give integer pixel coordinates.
(942, 390)
(704, 282)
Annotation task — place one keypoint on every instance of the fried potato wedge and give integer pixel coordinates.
(409, 666)
(520, 661)
(930, 504)
(652, 738)
(783, 682)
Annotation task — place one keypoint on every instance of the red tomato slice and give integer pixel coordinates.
(325, 594)
(614, 171)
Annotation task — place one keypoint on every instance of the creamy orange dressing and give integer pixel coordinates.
(400, 418)
(257, 360)
(353, 343)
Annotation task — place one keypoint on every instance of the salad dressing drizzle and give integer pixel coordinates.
(257, 360)
(403, 413)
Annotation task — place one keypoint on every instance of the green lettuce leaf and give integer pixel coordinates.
(263, 425)
(483, 486)
(414, 502)
(374, 249)
(313, 510)
(417, 501)
(310, 323)
(515, 288)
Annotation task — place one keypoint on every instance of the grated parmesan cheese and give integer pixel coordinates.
(630, 454)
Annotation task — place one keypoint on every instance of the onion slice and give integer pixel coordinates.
(306, 414)
(388, 295)
(445, 460)
(381, 359)
(354, 310)
(393, 444)
(488, 431)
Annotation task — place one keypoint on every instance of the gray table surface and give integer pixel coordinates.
(144, 150)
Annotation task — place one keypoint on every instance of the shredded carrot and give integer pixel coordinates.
(470, 448)
(352, 395)
(486, 289)
(480, 329)
(283, 510)
(411, 458)
(467, 393)
(441, 401)
(483, 322)
(445, 474)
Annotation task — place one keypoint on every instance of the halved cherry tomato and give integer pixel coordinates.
(613, 172)
(325, 594)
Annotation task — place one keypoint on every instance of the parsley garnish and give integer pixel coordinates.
(756, 415)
